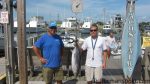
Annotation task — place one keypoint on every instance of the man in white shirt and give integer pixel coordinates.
(110, 42)
(96, 55)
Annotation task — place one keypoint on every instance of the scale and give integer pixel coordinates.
(77, 6)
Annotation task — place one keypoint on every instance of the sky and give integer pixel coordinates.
(94, 9)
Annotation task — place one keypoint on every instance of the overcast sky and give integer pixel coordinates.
(51, 9)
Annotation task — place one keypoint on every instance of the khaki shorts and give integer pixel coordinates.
(93, 72)
(49, 73)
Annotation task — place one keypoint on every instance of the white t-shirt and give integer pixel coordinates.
(110, 42)
(94, 59)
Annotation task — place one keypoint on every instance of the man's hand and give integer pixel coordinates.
(43, 61)
(76, 44)
(104, 59)
(103, 65)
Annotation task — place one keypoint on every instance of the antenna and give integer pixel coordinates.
(104, 11)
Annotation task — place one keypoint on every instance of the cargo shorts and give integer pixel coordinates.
(52, 73)
(93, 72)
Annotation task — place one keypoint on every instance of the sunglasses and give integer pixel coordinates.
(93, 30)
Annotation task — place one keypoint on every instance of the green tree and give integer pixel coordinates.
(100, 25)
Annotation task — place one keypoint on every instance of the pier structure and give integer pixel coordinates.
(31, 69)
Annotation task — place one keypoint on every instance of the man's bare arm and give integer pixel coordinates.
(104, 58)
(38, 53)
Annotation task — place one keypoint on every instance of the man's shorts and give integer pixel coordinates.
(93, 72)
(49, 73)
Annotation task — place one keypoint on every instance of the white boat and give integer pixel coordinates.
(86, 24)
(118, 21)
(69, 23)
(36, 21)
(107, 26)
(36, 24)
(106, 29)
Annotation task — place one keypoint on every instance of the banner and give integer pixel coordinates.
(146, 42)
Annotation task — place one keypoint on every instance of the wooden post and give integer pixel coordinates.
(21, 18)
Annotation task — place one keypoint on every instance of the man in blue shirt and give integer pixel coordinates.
(51, 46)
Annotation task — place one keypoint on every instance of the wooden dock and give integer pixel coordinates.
(2, 70)
(112, 74)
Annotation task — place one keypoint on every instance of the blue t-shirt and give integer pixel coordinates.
(51, 49)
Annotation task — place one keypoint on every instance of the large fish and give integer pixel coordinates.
(131, 40)
(75, 61)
